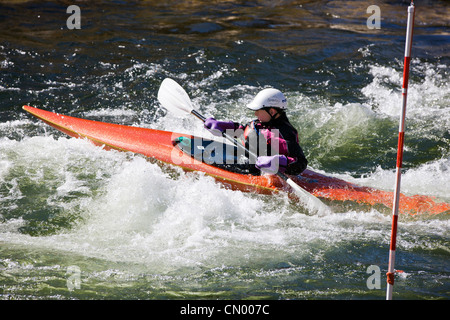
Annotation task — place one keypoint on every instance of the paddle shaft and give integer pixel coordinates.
(198, 115)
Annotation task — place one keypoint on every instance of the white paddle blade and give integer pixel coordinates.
(173, 97)
(309, 201)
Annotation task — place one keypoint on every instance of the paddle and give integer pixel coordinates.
(175, 99)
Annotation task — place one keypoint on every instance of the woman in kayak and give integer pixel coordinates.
(272, 124)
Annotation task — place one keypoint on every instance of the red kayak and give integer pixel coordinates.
(159, 145)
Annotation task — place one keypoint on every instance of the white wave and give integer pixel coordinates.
(134, 211)
(111, 112)
(427, 97)
(171, 220)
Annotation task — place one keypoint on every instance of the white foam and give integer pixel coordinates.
(111, 112)
(131, 210)
(144, 215)
(427, 97)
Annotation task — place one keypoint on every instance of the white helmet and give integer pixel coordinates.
(268, 98)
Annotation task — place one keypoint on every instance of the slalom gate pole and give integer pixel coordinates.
(401, 136)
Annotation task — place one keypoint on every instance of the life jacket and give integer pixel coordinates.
(267, 141)
(297, 161)
(249, 129)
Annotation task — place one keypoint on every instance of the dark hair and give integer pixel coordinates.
(279, 110)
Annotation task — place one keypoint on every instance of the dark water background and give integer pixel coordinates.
(133, 230)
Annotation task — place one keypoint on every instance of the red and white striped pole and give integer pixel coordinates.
(401, 137)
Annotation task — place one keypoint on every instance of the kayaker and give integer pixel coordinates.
(270, 108)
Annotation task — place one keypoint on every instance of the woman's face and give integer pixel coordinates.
(263, 115)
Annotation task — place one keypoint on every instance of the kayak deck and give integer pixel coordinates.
(158, 144)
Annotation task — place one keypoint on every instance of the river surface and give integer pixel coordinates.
(80, 222)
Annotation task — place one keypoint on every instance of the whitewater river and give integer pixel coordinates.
(80, 222)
